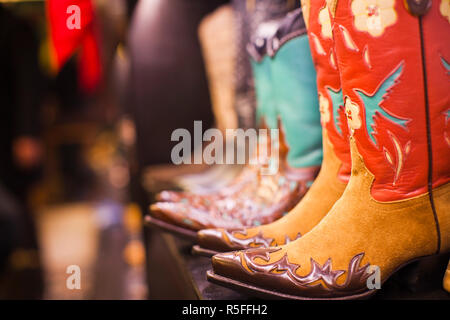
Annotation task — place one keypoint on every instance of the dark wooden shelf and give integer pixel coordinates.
(174, 273)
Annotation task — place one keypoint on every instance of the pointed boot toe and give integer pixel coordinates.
(214, 239)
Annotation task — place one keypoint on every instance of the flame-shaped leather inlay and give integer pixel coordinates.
(321, 281)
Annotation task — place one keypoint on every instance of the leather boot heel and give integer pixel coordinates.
(424, 274)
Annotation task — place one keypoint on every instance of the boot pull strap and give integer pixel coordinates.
(417, 7)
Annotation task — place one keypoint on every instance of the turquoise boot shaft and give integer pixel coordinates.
(266, 111)
(294, 84)
(261, 63)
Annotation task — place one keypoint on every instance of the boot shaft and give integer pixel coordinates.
(286, 91)
(396, 87)
(329, 88)
(294, 84)
(266, 114)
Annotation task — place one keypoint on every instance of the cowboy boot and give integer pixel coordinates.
(249, 15)
(270, 196)
(335, 171)
(396, 206)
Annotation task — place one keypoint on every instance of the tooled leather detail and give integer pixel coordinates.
(291, 27)
(321, 280)
(417, 7)
(247, 175)
(257, 241)
(262, 201)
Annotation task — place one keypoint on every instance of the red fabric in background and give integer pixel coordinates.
(90, 68)
(65, 42)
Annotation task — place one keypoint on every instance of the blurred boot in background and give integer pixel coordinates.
(248, 15)
(217, 40)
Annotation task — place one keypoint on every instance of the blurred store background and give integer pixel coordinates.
(90, 93)
(86, 119)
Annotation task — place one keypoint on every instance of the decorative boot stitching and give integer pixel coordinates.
(428, 126)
